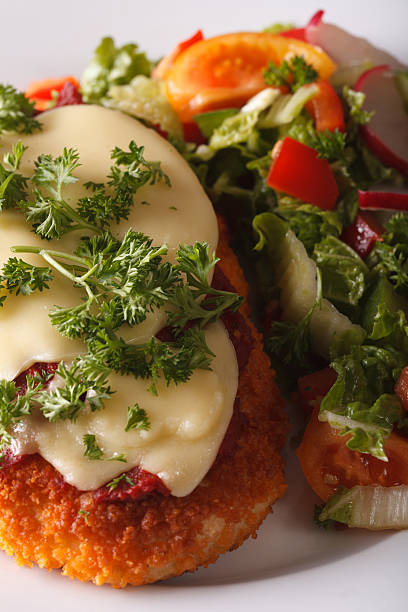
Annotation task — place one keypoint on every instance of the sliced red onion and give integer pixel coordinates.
(387, 133)
(381, 200)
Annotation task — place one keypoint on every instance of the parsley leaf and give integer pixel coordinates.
(292, 341)
(195, 262)
(122, 478)
(52, 217)
(92, 450)
(12, 184)
(24, 278)
(137, 418)
(16, 112)
(66, 402)
(292, 75)
(14, 405)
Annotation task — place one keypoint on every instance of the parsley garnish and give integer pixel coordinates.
(14, 405)
(92, 450)
(16, 112)
(292, 75)
(117, 457)
(52, 217)
(85, 514)
(122, 478)
(137, 418)
(330, 145)
(12, 184)
(21, 277)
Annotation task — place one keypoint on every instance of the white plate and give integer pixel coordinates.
(292, 565)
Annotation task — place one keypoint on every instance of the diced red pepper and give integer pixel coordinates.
(382, 200)
(313, 387)
(69, 95)
(401, 388)
(298, 171)
(363, 233)
(166, 63)
(41, 92)
(326, 108)
(192, 133)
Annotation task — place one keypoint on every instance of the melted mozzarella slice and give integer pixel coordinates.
(188, 423)
(180, 214)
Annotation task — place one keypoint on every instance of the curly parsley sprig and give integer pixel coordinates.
(293, 74)
(52, 217)
(16, 112)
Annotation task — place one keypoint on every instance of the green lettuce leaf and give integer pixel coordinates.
(343, 271)
(208, 122)
(145, 99)
(309, 223)
(112, 65)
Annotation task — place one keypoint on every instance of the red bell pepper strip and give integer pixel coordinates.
(326, 109)
(313, 387)
(166, 63)
(382, 200)
(401, 388)
(363, 233)
(298, 171)
(41, 92)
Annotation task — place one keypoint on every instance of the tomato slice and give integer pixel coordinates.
(225, 71)
(163, 67)
(313, 387)
(327, 462)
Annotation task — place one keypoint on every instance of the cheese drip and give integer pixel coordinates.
(188, 423)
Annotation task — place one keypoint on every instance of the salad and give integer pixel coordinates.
(304, 150)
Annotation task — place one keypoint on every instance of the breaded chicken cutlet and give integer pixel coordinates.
(115, 536)
(42, 519)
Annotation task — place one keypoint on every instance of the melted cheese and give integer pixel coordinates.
(180, 214)
(188, 422)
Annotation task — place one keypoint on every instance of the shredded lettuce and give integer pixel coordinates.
(308, 222)
(361, 402)
(343, 271)
(208, 122)
(145, 99)
(112, 65)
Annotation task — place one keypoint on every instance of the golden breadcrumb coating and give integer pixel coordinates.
(46, 521)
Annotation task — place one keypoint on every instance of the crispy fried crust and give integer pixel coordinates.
(44, 520)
